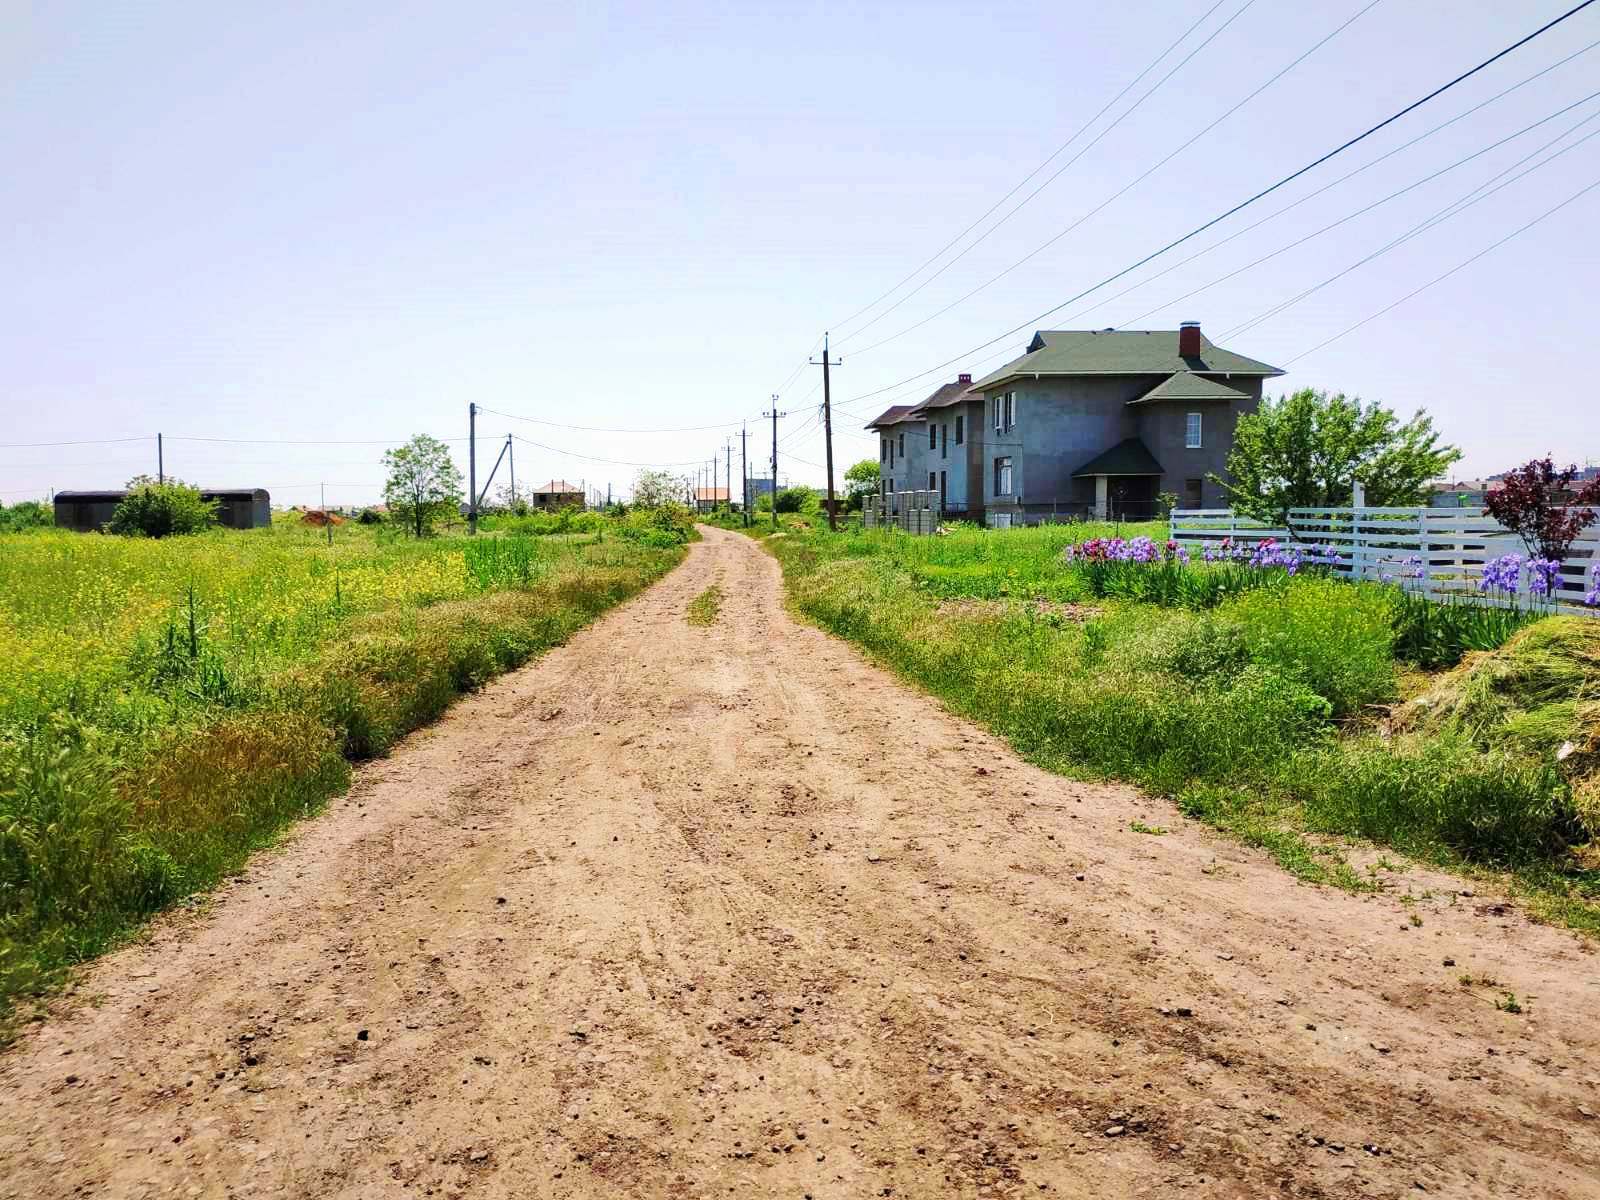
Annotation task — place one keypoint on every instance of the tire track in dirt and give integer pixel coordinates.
(723, 911)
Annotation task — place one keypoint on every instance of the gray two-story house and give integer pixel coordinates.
(925, 447)
(1085, 423)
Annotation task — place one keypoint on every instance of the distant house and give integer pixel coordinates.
(1458, 493)
(707, 499)
(237, 508)
(556, 494)
(1084, 423)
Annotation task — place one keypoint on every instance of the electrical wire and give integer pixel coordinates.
(1182, 146)
(1064, 166)
(1549, 212)
(1369, 207)
(1131, 84)
(1450, 210)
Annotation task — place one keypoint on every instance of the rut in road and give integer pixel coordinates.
(724, 911)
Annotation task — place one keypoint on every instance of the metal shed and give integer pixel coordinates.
(237, 508)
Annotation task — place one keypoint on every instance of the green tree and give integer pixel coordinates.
(1308, 449)
(424, 484)
(652, 489)
(152, 509)
(860, 481)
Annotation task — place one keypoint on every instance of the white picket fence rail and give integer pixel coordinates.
(1439, 552)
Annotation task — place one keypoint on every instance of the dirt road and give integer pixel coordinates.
(689, 912)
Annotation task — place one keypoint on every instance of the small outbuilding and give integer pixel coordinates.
(237, 508)
(555, 495)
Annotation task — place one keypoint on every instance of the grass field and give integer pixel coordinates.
(166, 706)
(1276, 708)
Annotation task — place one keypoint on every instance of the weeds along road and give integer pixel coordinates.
(722, 911)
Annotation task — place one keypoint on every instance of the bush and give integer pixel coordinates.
(25, 514)
(370, 516)
(1335, 638)
(162, 509)
(666, 524)
(795, 499)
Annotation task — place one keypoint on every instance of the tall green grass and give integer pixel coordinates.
(1257, 714)
(168, 706)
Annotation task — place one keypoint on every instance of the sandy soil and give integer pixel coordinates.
(724, 911)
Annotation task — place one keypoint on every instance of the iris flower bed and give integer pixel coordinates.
(1151, 572)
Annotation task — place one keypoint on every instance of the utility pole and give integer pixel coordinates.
(161, 464)
(774, 414)
(727, 453)
(472, 467)
(827, 429)
(511, 460)
(744, 473)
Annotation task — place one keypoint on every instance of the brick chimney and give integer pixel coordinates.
(1189, 339)
(963, 378)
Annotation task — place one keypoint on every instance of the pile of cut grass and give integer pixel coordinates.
(1537, 695)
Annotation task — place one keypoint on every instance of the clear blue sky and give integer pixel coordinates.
(348, 221)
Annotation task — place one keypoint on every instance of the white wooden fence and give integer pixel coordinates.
(1439, 552)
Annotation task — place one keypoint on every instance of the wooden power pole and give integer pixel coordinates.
(774, 414)
(827, 431)
(472, 468)
(744, 472)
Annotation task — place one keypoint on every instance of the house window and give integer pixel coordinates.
(942, 491)
(999, 412)
(902, 445)
(1191, 436)
(931, 481)
(1011, 410)
(1192, 493)
(933, 436)
(1002, 476)
(961, 428)
(944, 442)
(883, 450)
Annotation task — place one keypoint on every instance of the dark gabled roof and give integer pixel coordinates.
(1120, 352)
(1186, 385)
(206, 493)
(892, 416)
(1127, 457)
(950, 393)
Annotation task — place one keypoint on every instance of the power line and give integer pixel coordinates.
(688, 462)
(1368, 208)
(1446, 275)
(607, 428)
(1127, 112)
(1131, 84)
(1266, 191)
(1454, 208)
(1312, 195)
(82, 442)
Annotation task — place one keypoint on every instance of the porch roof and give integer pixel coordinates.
(1128, 457)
